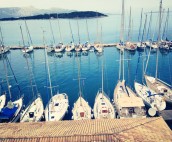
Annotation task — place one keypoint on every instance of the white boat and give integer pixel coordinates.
(86, 46)
(141, 46)
(127, 105)
(50, 48)
(58, 104)
(78, 47)
(159, 87)
(27, 49)
(150, 98)
(81, 110)
(154, 45)
(59, 48)
(98, 47)
(4, 49)
(56, 107)
(2, 100)
(164, 45)
(130, 46)
(34, 112)
(102, 107)
(11, 112)
(154, 83)
(70, 47)
(120, 46)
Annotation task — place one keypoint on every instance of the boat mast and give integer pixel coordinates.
(122, 37)
(166, 25)
(31, 83)
(149, 28)
(87, 31)
(6, 75)
(47, 64)
(140, 25)
(52, 31)
(78, 31)
(22, 36)
(79, 80)
(28, 32)
(71, 31)
(129, 27)
(59, 29)
(2, 40)
(144, 28)
(159, 36)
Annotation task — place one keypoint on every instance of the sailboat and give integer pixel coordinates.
(87, 45)
(78, 47)
(70, 47)
(141, 45)
(157, 85)
(29, 48)
(129, 45)
(97, 46)
(34, 111)
(11, 112)
(58, 104)
(2, 97)
(164, 43)
(81, 109)
(102, 107)
(3, 49)
(60, 47)
(127, 105)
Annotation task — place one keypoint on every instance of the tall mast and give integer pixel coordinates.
(159, 37)
(149, 28)
(22, 35)
(166, 25)
(144, 28)
(122, 24)
(97, 27)
(140, 25)
(87, 31)
(129, 27)
(46, 59)
(59, 29)
(2, 40)
(28, 32)
(78, 31)
(71, 31)
(52, 31)
(6, 75)
(27, 64)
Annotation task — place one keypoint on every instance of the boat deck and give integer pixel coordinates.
(137, 129)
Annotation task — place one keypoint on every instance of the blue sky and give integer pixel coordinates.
(112, 6)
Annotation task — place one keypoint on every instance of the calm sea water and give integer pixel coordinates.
(64, 70)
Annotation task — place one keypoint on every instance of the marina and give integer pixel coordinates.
(73, 79)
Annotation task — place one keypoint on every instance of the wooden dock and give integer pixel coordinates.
(136, 129)
(42, 47)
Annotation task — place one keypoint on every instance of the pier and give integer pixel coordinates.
(137, 129)
(42, 47)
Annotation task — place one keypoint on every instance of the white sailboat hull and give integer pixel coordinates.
(103, 109)
(81, 110)
(159, 87)
(28, 49)
(2, 101)
(34, 112)
(56, 107)
(155, 101)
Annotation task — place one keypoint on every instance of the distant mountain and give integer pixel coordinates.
(16, 12)
(77, 14)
